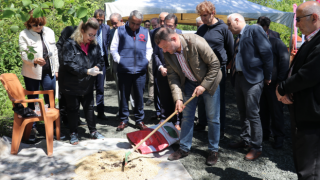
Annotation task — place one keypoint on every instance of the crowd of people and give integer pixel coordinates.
(180, 66)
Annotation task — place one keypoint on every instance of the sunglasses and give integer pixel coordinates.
(299, 18)
(36, 25)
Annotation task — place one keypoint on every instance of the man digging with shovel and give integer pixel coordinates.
(194, 69)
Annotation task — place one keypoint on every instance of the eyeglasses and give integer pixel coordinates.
(100, 20)
(299, 18)
(171, 26)
(36, 25)
(91, 35)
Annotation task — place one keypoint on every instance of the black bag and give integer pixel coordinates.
(22, 111)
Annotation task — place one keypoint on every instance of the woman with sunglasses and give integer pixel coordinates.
(82, 62)
(43, 68)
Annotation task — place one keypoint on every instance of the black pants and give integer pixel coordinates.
(248, 97)
(167, 104)
(306, 150)
(73, 104)
(126, 83)
(271, 112)
(63, 108)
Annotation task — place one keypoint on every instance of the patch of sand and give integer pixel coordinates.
(108, 165)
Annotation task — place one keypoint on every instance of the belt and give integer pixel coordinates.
(239, 72)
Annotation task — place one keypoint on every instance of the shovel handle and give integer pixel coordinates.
(156, 129)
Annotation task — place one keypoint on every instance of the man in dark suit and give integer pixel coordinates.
(301, 90)
(251, 70)
(271, 110)
(265, 26)
(160, 73)
(103, 41)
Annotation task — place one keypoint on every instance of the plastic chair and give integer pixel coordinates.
(22, 126)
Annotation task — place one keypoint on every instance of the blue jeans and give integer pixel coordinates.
(212, 106)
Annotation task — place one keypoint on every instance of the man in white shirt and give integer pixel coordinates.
(131, 49)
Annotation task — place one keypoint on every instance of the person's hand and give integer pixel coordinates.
(94, 71)
(198, 91)
(57, 74)
(267, 82)
(287, 99)
(96, 67)
(179, 106)
(40, 61)
(163, 71)
(279, 97)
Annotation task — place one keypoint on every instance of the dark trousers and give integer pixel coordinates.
(47, 82)
(167, 104)
(126, 82)
(248, 97)
(271, 112)
(202, 109)
(73, 105)
(100, 90)
(63, 108)
(306, 150)
(156, 96)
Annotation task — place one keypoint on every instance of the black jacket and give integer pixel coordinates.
(304, 84)
(75, 65)
(273, 34)
(280, 60)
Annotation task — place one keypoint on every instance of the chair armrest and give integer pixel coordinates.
(41, 105)
(49, 92)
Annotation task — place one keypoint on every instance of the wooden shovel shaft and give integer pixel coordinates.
(156, 129)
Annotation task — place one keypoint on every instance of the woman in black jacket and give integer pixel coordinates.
(82, 61)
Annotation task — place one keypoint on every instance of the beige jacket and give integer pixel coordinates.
(31, 38)
(202, 61)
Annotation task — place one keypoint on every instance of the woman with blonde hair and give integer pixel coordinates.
(82, 62)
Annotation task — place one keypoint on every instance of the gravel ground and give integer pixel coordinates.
(273, 164)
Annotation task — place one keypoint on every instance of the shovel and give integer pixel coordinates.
(126, 156)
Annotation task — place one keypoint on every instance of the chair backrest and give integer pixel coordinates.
(13, 86)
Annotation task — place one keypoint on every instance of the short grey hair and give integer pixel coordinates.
(136, 14)
(311, 10)
(117, 15)
(198, 19)
(236, 15)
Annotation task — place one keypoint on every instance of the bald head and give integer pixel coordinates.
(308, 17)
(161, 18)
(236, 23)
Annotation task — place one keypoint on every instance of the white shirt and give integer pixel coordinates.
(115, 45)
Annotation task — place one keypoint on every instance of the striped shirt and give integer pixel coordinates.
(310, 36)
(186, 71)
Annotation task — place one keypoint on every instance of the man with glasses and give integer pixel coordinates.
(301, 90)
(131, 50)
(103, 41)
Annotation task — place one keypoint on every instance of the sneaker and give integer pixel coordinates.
(74, 139)
(149, 102)
(62, 136)
(96, 135)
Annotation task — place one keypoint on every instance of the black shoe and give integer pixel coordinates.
(81, 123)
(102, 116)
(199, 127)
(212, 158)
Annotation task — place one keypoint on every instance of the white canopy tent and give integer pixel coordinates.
(185, 10)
